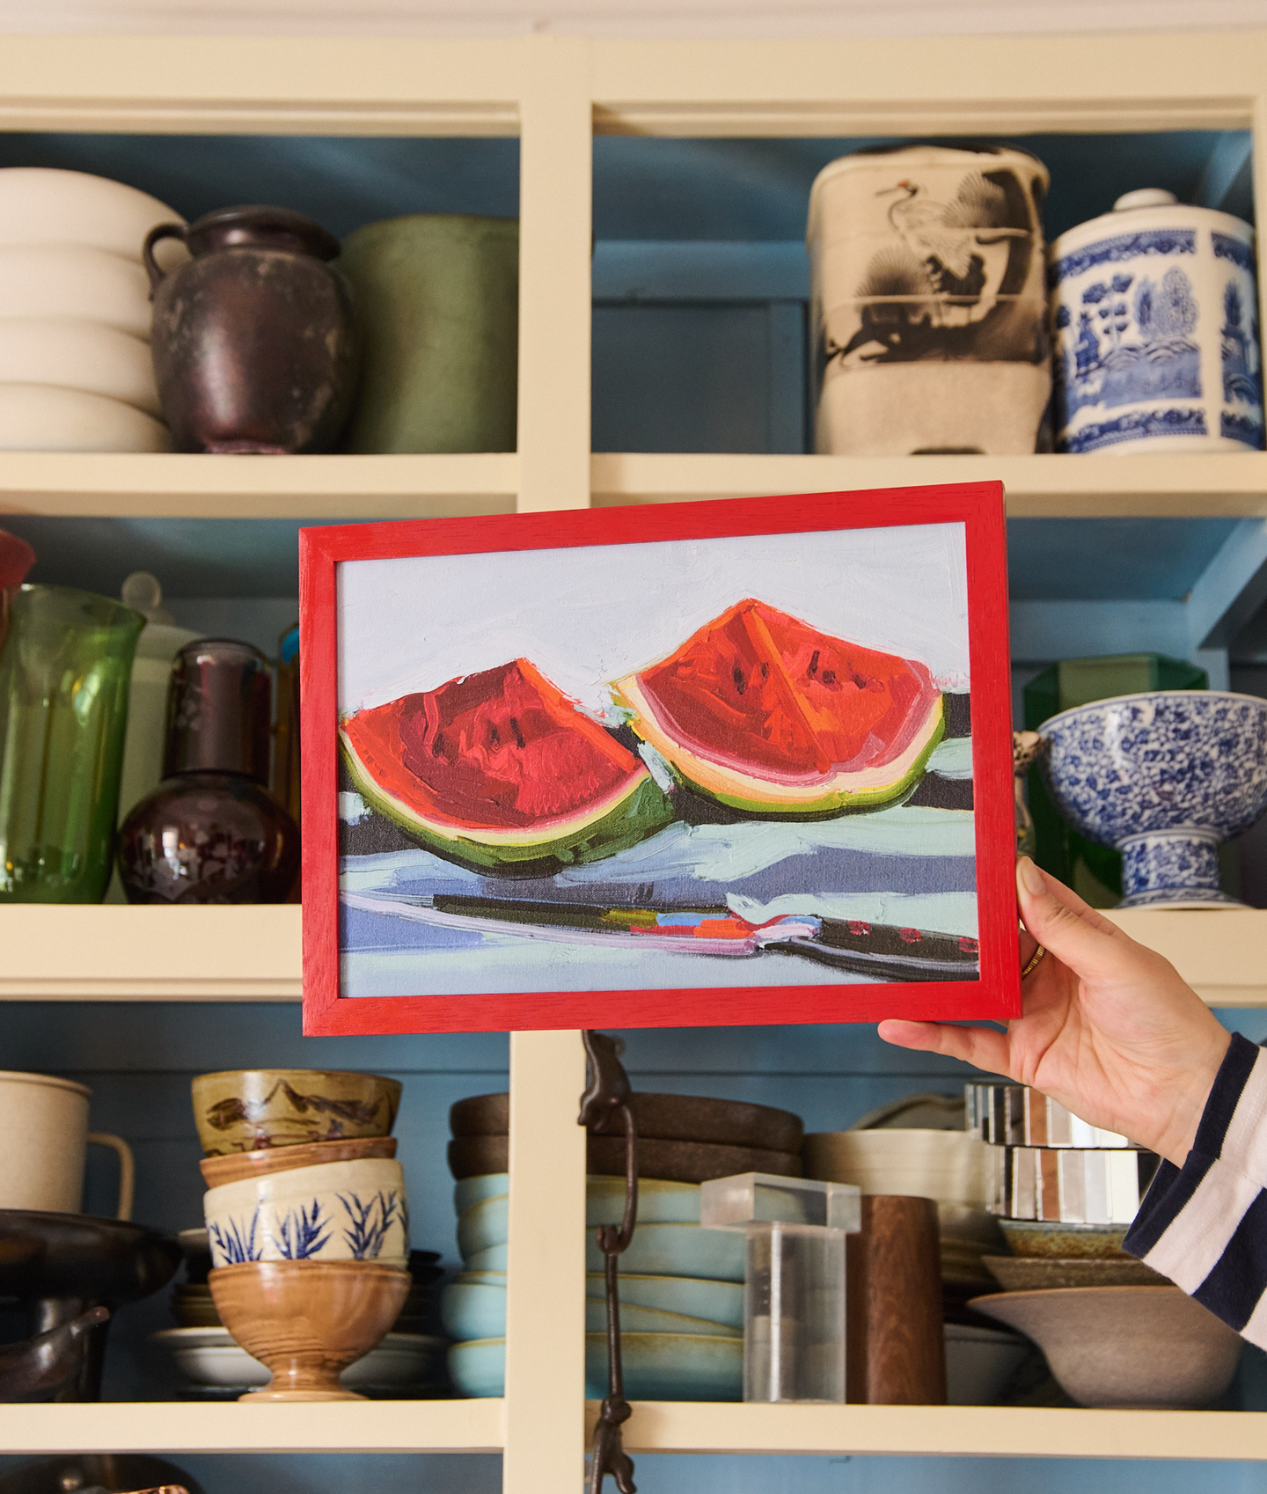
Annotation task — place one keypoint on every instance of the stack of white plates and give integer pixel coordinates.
(681, 1294)
(75, 368)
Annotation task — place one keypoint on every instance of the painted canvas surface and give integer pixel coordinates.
(738, 761)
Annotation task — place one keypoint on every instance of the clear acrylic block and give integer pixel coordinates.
(794, 1280)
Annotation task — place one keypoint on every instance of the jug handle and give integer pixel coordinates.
(127, 1169)
(162, 231)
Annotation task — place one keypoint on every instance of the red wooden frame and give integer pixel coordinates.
(996, 994)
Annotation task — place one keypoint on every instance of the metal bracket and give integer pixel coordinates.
(606, 1098)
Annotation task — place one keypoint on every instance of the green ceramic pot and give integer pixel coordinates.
(437, 302)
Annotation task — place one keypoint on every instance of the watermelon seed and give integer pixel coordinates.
(437, 745)
(765, 671)
(494, 736)
(740, 683)
(519, 736)
(829, 676)
(813, 663)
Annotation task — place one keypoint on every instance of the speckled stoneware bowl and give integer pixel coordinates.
(1164, 777)
(1058, 1241)
(242, 1110)
(1144, 1347)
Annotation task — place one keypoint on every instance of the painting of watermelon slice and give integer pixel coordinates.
(764, 714)
(502, 771)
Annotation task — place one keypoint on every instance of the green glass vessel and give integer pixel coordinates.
(64, 676)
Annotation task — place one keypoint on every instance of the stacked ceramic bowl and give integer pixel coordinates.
(407, 1364)
(681, 1287)
(75, 368)
(307, 1220)
(1114, 1332)
(681, 1294)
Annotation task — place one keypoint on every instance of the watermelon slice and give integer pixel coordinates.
(502, 770)
(763, 713)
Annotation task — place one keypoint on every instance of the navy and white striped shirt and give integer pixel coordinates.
(1204, 1225)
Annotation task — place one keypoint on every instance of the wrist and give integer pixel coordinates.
(1190, 1096)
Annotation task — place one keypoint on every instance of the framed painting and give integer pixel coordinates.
(703, 763)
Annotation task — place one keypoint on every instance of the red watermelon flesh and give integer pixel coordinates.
(762, 711)
(499, 766)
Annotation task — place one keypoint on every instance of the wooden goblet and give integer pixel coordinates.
(308, 1320)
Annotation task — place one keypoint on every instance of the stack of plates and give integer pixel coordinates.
(404, 1365)
(681, 1138)
(681, 1294)
(75, 369)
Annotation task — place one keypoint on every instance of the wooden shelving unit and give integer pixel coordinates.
(184, 1427)
(105, 953)
(555, 94)
(678, 1426)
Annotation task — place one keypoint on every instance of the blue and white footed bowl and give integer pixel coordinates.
(1164, 777)
(1154, 311)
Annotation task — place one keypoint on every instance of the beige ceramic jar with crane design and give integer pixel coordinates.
(929, 302)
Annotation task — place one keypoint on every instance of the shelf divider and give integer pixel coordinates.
(545, 1304)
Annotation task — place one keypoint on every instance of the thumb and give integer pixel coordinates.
(1076, 934)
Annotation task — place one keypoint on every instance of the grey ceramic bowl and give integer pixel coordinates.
(1138, 1347)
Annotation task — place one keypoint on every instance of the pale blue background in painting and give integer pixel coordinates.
(587, 616)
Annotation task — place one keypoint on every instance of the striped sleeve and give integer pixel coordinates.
(1204, 1225)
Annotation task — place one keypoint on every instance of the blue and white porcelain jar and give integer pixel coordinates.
(1154, 311)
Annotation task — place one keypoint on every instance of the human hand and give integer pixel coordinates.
(1110, 1029)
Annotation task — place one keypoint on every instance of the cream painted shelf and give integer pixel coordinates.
(1055, 486)
(119, 953)
(117, 485)
(254, 953)
(442, 486)
(680, 1426)
(185, 1427)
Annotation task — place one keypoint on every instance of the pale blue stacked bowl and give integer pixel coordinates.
(681, 1294)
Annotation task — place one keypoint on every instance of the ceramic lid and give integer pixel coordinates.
(964, 158)
(1149, 207)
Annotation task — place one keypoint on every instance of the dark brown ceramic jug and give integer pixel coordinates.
(254, 342)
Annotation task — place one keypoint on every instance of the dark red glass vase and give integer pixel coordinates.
(210, 833)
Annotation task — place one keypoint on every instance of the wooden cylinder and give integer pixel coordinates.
(896, 1348)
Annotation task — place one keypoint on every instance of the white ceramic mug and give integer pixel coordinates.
(44, 1121)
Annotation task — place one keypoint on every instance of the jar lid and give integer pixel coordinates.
(219, 710)
(1144, 197)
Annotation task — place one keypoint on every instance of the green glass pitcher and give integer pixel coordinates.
(64, 674)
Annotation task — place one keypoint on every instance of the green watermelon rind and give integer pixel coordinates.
(836, 799)
(837, 802)
(639, 813)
